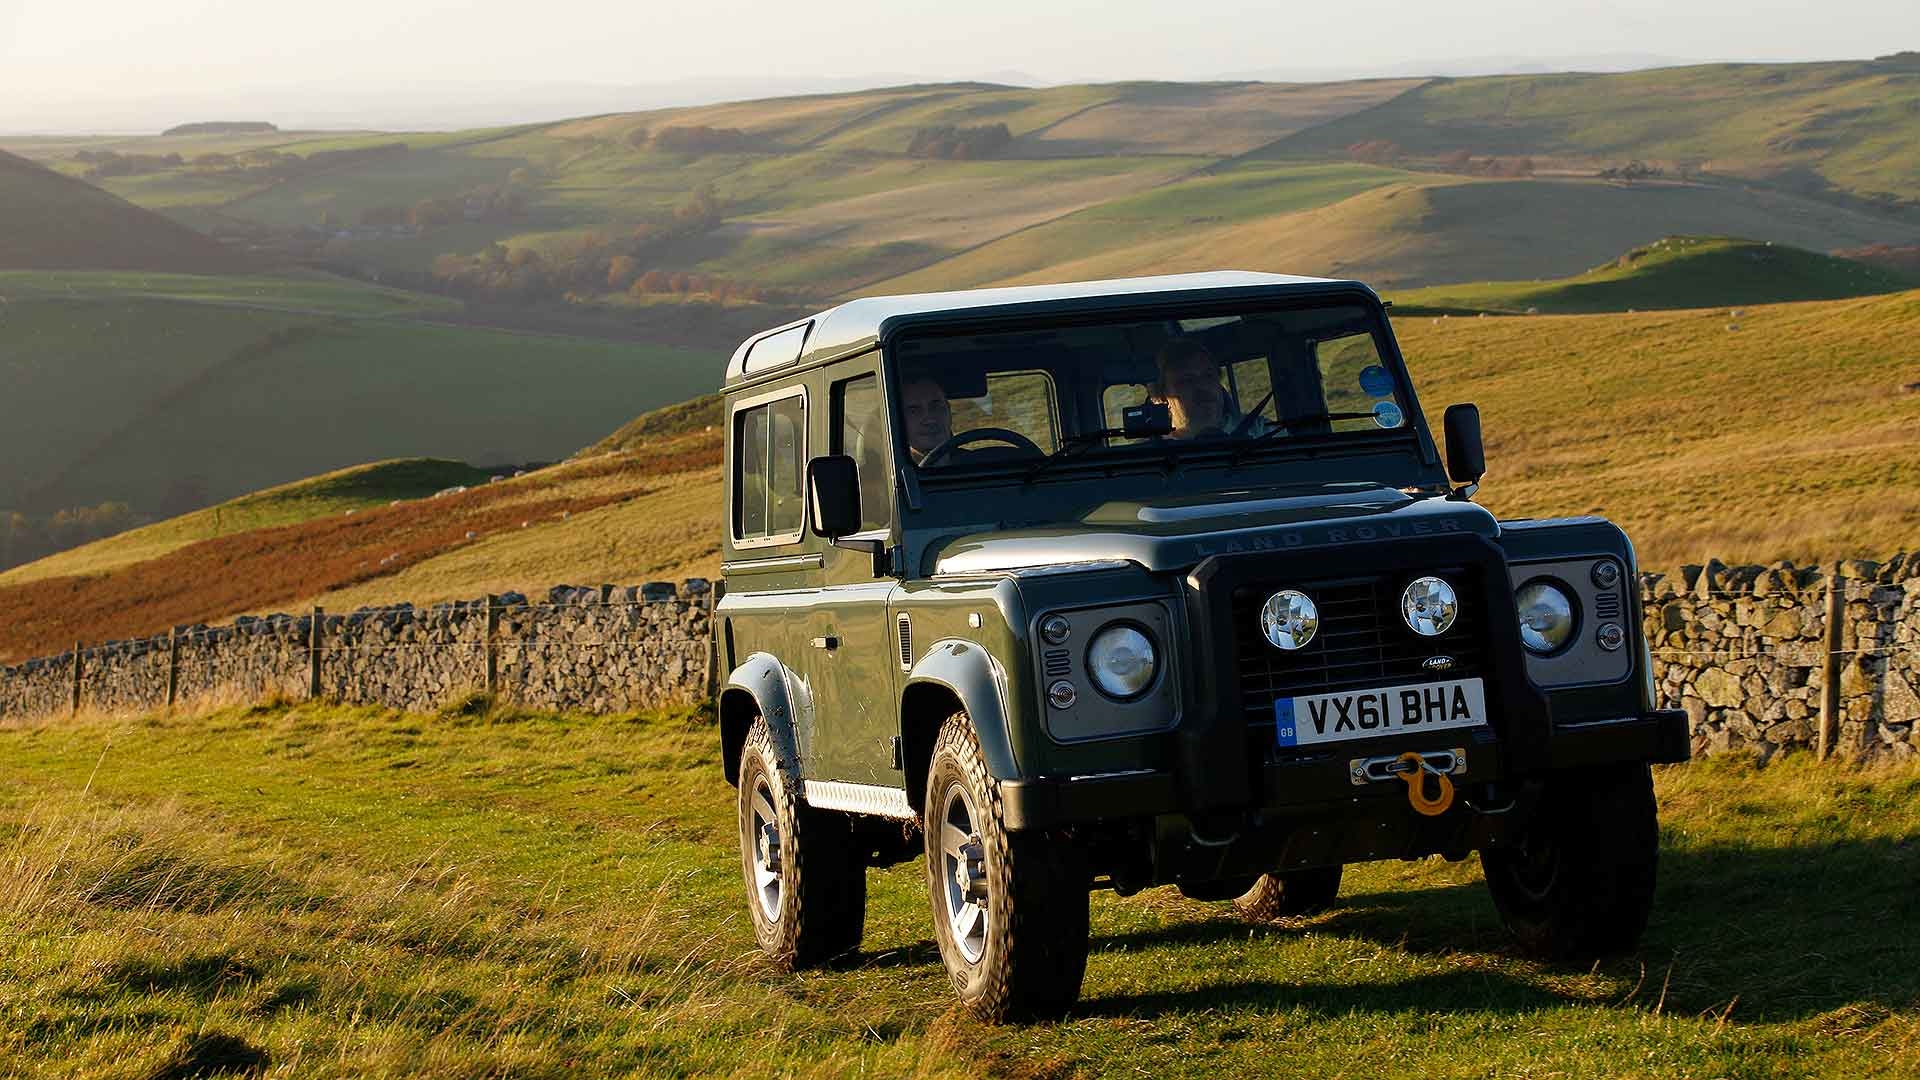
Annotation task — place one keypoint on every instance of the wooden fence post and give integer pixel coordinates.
(1830, 668)
(314, 636)
(76, 680)
(493, 645)
(173, 667)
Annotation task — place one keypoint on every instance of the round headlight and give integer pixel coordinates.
(1429, 606)
(1121, 661)
(1546, 617)
(1289, 619)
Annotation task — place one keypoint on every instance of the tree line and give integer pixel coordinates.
(636, 263)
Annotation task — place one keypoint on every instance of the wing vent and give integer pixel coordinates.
(1607, 605)
(1057, 663)
(905, 626)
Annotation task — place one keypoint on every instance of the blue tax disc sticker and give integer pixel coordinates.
(1387, 414)
(1375, 381)
(1283, 729)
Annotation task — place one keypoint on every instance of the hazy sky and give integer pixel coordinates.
(57, 54)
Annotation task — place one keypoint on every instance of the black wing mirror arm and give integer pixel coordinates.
(876, 548)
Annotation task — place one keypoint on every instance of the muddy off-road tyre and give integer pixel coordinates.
(1580, 885)
(1009, 909)
(806, 881)
(1295, 892)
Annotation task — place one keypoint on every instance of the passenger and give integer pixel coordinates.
(928, 416)
(1189, 386)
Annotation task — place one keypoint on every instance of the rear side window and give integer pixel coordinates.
(768, 462)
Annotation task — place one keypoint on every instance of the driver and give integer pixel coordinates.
(1189, 386)
(928, 416)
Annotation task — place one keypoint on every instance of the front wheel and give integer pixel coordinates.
(1009, 909)
(1580, 884)
(806, 880)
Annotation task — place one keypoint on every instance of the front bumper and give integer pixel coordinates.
(1660, 737)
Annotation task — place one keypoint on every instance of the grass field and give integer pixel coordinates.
(1674, 272)
(51, 221)
(123, 385)
(1782, 433)
(347, 892)
(1411, 234)
(1844, 126)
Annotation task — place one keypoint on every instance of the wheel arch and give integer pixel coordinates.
(756, 689)
(954, 676)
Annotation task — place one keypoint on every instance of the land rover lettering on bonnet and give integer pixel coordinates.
(1162, 581)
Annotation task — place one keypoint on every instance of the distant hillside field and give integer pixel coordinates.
(1846, 127)
(798, 201)
(153, 388)
(53, 222)
(1782, 433)
(1676, 272)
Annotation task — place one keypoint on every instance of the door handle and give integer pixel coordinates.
(828, 643)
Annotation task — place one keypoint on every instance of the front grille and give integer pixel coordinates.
(1362, 641)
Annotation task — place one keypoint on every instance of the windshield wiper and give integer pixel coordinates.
(1281, 430)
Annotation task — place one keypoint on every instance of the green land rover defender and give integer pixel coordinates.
(1117, 584)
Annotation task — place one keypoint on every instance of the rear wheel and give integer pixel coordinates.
(1294, 892)
(1581, 882)
(1009, 908)
(806, 880)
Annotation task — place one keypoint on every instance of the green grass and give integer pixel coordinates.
(123, 384)
(298, 291)
(52, 221)
(1847, 126)
(343, 892)
(1675, 272)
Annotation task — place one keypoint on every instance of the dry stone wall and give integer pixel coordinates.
(595, 648)
(1743, 649)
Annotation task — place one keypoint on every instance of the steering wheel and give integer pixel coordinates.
(984, 434)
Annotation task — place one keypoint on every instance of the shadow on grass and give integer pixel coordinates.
(1452, 992)
(1791, 931)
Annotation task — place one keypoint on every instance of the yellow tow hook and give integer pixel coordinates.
(1415, 771)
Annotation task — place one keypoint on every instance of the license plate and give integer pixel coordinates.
(1372, 714)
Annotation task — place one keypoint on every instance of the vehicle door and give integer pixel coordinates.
(851, 656)
(773, 563)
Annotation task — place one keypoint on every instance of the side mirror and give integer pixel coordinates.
(833, 495)
(1466, 458)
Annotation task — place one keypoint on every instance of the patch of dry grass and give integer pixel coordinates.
(324, 891)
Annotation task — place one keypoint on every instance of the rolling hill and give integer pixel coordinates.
(153, 389)
(49, 221)
(1675, 272)
(1407, 182)
(1843, 128)
(1786, 434)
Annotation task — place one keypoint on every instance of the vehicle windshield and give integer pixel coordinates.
(1234, 383)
